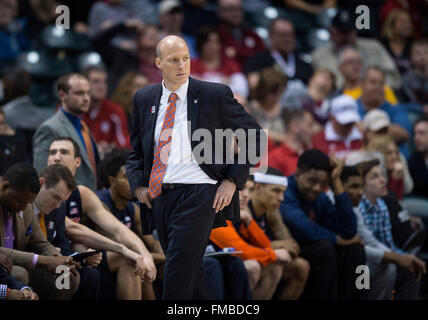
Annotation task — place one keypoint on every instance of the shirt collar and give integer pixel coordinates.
(76, 121)
(181, 92)
(331, 135)
(36, 209)
(370, 206)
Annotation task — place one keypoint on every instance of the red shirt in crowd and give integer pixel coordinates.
(226, 69)
(109, 124)
(284, 159)
(240, 51)
(329, 142)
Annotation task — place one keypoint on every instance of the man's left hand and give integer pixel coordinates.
(224, 195)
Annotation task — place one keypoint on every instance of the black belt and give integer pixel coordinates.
(168, 186)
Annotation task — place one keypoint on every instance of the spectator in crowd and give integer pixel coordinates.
(74, 92)
(297, 138)
(282, 52)
(415, 82)
(33, 257)
(263, 207)
(374, 211)
(351, 68)
(13, 40)
(239, 42)
(123, 252)
(106, 120)
(343, 33)
(398, 176)
(198, 13)
(171, 18)
(126, 89)
(373, 98)
(265, 107)
(20, 112)
(315, 98)
(376, 123)
(418, 162)
(214, 67)
(56, 185)
(397, 37)
(341, 134)
(417, 9)
(381, 261)
(324, 229)
(109, 14)
(265, 265)
(116, 195)
(311, 7)
(120, 61)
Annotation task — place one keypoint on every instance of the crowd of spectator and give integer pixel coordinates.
(347, 121)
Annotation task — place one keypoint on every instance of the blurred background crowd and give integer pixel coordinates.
(301, 68)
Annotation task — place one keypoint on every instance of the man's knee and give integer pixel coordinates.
(20, 274)
(302, 268)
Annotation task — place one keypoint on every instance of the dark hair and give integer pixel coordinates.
(56, 173)
(313, 159)
(16, 83)
(77, 153)
(365, 167)
(274, 172)
(201, 36)
(110, 166)
(271, 80)
(349, 171)
(289, 115)
(23, 177)
(88, 70)
(64, 81)
(423, 119)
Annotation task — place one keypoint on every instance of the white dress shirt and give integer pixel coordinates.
(182, 167)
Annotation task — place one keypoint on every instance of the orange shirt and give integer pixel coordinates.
(251, 240)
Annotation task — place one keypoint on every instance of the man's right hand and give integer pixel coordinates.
(283, 255)
(411, 263)
(347, 242)
(143, 195)
(50, 263)
(144, 266)
(6, 262)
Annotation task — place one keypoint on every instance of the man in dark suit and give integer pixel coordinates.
(178, 193)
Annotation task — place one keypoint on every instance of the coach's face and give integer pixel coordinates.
(174, 61)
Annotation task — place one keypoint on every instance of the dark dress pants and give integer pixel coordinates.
(183, 217)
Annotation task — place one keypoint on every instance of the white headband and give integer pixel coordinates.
(270, 179)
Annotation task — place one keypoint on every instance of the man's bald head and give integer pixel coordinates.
(169, 42)
(173, 60)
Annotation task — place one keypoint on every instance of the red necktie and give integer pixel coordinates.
(162, 149)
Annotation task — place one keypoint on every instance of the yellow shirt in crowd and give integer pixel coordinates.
(389, 94)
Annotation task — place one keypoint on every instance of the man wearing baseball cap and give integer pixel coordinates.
(340, 135)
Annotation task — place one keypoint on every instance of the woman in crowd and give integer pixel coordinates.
(214, 67)
(397, 36)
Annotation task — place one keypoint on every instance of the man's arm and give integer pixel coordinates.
(79, 233)
(234, 117)
(135, 161)
(41, 142)
(93, 208)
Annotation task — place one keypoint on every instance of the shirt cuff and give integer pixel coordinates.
(3, 291)
(26, 287)
(34, 262)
